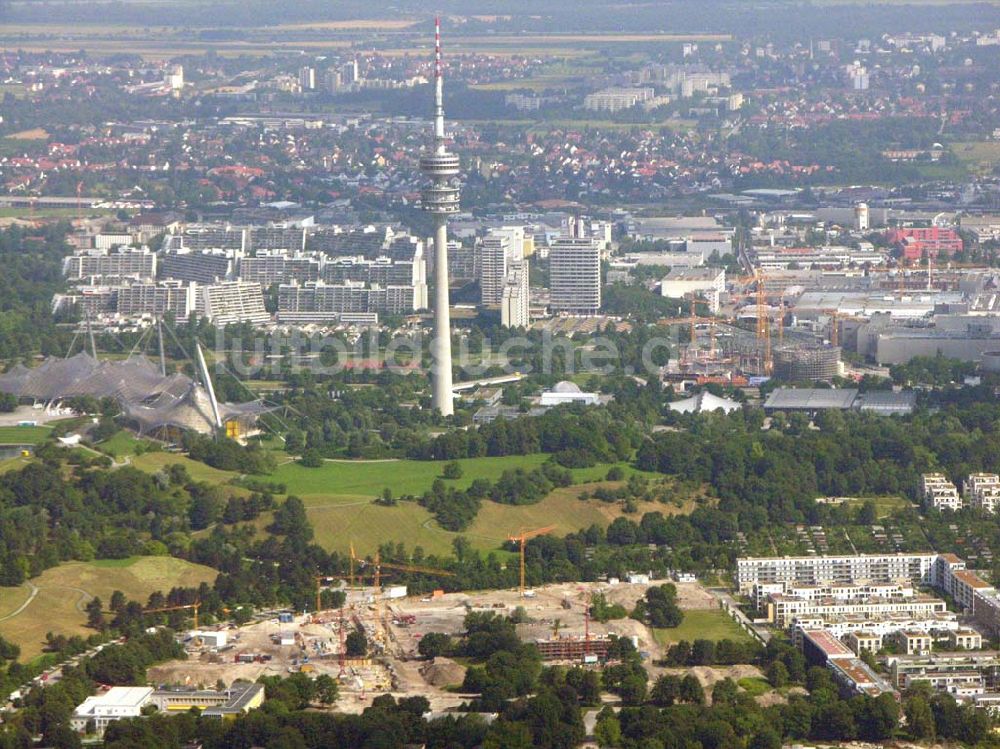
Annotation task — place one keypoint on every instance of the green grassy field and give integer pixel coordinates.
(339, 524)
(63, 592)
(979, 156)
(121, 443)
(23, 435)
(359, 478)
(702, 624)
(154, 462)
(339, 498)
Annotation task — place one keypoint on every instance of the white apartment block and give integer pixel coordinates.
(982, 490)
(516, 240)
(199, 266)
(232, 302)
(575, 276)
(788, 609)
(318, 301)
(762, 592)
(494, 256)
(157, 299)
(940, 493)
(863, 640)
(617, 99)
(828, 570)
(128, 263)
(882, 626)
(514, 307)
(269, 267)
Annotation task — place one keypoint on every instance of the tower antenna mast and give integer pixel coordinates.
(440, 199)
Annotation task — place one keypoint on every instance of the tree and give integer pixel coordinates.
(326, 689)
(290, 520)
(690, 690)
(777, 674)
(452, 470)
(356, 644)
(919, 719)
(434, 644)
(608, 732)
(666, 690)
(877, 718)
(311, 458)
(766, 738)
(118, 601)
(724, 692)
(633, 689)
(95, 613)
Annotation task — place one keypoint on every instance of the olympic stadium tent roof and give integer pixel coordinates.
(190, 410)
(146, 396)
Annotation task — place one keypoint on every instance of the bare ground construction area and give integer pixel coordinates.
(312, 644)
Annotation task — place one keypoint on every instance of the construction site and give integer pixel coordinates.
(749, 338)
(554, 617)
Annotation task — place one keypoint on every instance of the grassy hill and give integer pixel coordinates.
(339, 498)
(55, 599)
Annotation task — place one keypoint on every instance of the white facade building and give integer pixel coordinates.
(940, 493)
(514, 307)
(983, 491)
(115, 704)
(232, 302)
(575, 276)
(705, 281)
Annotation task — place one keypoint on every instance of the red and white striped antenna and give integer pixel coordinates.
(437, 46)
(438, 88)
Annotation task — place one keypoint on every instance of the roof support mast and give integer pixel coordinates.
(203, 370)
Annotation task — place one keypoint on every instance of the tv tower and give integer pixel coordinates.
(440, 198)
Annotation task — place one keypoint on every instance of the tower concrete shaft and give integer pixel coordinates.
(440, 198)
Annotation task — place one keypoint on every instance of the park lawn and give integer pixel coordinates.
(889, 505)
(351, 481)
(354, 478)
(16, 435)
(11, 598)
(345, 520)
(64, 591)
(155, 462)
(702, 624)
(122, 443)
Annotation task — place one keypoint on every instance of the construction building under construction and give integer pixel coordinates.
(802, 362)
(573, 648)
